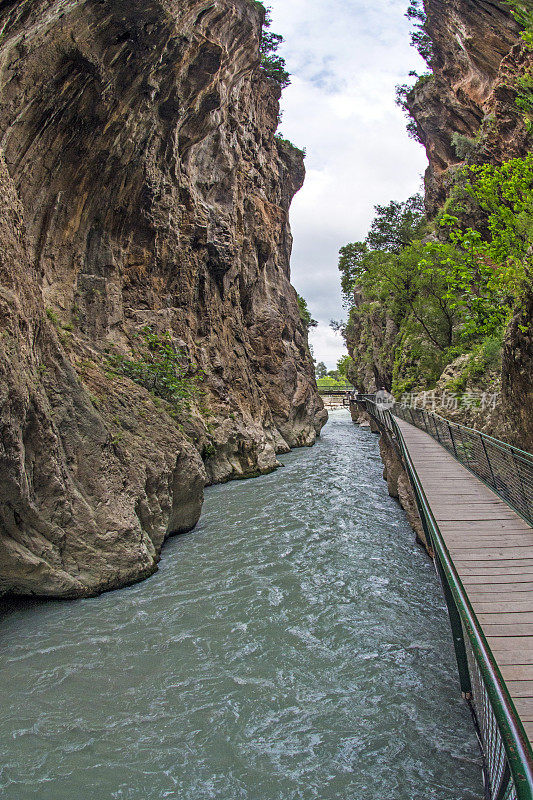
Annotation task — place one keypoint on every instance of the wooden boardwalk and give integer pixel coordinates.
(492, 549)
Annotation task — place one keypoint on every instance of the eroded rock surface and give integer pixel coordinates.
(477, 57)
(141, 184)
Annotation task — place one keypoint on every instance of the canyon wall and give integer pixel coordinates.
(477, 55)
(478, 58)
(142, 188)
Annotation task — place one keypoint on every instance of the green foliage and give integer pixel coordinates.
(52, 316)
(522, 11)
(448, 291)
(273, 64)
(287, 143)
(331, 382)
(305, 314)
(351, 266)
(487, 274)
(484, 358)
(403, 94)
(160, 367)
(421, 41)
(524, 99)
(394, 227)
(321, 370)
(420, 38)
(464, 146)
(344, 365)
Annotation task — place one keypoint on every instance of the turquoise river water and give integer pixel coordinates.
(295, 646)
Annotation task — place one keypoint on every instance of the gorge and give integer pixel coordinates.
(157, 381)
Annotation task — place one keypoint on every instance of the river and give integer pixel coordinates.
(295, 646)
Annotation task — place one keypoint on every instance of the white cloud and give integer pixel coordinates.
(346, 58)
(327, 345)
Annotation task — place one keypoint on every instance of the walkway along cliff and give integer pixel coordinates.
(143, 194)
(472, 496)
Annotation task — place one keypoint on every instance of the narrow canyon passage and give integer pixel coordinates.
(295, 645)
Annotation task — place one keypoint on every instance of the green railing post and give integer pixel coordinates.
(453, 440)
(457, 635)
(488, 459)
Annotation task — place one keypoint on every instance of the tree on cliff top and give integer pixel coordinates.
(305, 314)
(272, 64)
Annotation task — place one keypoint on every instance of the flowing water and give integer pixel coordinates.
(295, 645)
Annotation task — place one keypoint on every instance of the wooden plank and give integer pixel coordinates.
(514, 524)
(514, 657)
(504, 554)
(524, 707)
(481, 543)
(520, 688)
(504, 606)
(528, 727)
(517, 672)
(504, 618)
(511, 644)
(484, 563)
(512, 629)
(510, 591)
(507, 594)
(518, 569)
(471, 582)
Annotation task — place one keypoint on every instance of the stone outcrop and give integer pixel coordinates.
(371, 337)
(472, 91)
(142, 184)
(517, 380)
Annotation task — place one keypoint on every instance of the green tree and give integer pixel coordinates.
(396, 225)
(321, 370)
(273, 64)
(393, 228)
(159, 366)
(305, 314)
(344, 364)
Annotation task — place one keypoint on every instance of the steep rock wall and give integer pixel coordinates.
(478, 58)
(142, 184)
(477, 53)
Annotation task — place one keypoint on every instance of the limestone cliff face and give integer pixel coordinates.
(371, 338)
(478, 57)
(141, 184)
(477, 54)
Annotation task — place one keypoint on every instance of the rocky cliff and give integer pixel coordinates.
(479, 59)
(142, 188)
(477, 55)
(466, 108)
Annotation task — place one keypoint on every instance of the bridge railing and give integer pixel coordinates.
(507, 470)
(507, 755)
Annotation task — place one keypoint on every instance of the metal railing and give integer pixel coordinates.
(507, 754)
(507, 470)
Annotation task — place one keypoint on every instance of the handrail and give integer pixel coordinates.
(517, 748)
(506, 469)
(510, 776)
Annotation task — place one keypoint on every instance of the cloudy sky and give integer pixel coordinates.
(345, 58)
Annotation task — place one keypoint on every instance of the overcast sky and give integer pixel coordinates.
(345, 58)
